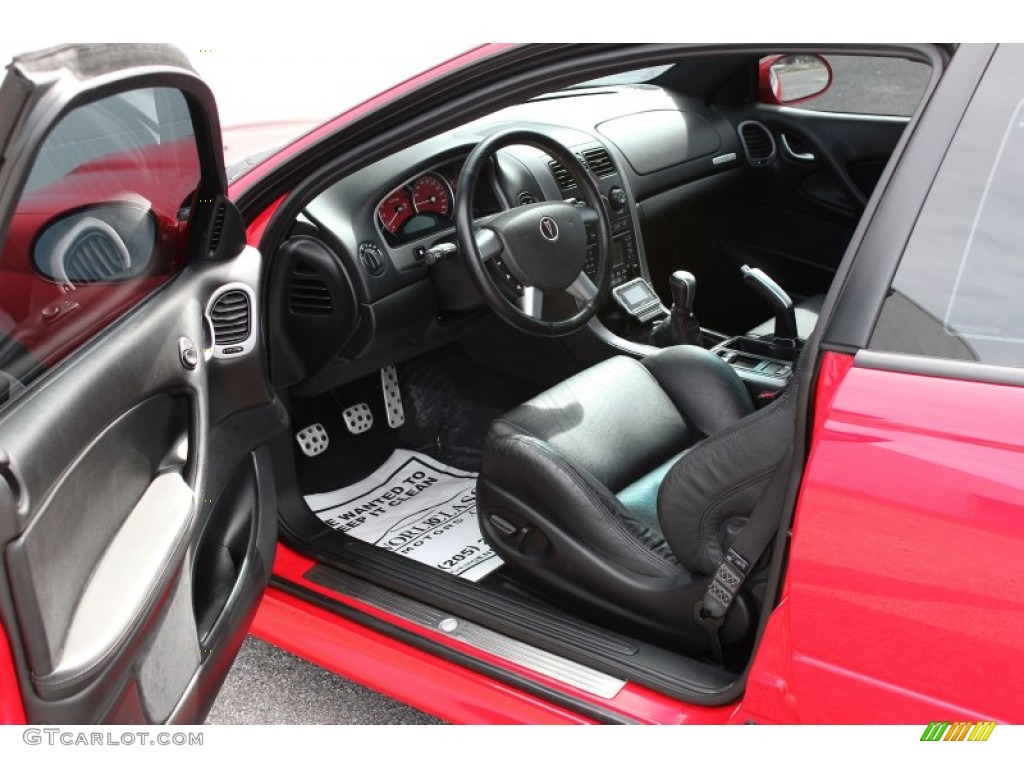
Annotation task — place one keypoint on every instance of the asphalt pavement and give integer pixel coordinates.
(268, 686)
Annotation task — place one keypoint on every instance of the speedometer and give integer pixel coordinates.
(430, 194)
(395, 210)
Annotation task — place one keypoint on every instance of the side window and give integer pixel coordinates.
(101, 223)
(872, 85)
(959, 290)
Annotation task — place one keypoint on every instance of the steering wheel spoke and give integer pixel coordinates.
(589, 215)
(583, 289)
(531, 302)
(488, 244)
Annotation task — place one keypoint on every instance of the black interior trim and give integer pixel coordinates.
(673, 674)
(585, 708)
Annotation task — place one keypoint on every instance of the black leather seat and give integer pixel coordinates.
(619, 487)
(807, 312)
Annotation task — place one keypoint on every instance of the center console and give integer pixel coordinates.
(764, 365)
(624, 254)
(636, 322)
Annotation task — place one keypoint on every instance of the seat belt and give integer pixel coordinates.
(742, 556)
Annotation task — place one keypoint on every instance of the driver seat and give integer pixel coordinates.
(620, 488)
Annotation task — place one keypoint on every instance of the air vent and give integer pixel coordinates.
(599, 161)
(526, 198)
(230, 317)
(308, 294)
(562, 177)
(758, 143)
(218, 226)
(95, 257)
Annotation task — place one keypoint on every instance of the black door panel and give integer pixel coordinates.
(55, 628)
(792, 217)
(137, 511)
(101, 575)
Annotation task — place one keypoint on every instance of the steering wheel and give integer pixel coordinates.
(520, 256)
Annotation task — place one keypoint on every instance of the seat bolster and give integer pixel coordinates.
(707, 496)
(560, 493)
(702, 386)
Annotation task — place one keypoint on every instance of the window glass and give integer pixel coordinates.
(959, 287)
(101, 223)
(872, 85)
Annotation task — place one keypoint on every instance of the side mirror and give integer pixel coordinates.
(102, 243)
(792, 79)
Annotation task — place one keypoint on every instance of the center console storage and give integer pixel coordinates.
(764, 366)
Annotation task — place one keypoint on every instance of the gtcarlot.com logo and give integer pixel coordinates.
(75, 737)
(937, 731)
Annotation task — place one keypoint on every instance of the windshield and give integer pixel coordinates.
(632, 77)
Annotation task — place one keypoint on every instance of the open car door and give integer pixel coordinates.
(137, 514)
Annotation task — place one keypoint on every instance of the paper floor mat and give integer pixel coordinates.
(416, 507)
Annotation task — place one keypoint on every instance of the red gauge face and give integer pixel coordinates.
(430, 194)
(396, 210)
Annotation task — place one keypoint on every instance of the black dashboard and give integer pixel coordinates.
(644, 147)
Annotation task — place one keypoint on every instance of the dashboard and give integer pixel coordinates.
(366, 235)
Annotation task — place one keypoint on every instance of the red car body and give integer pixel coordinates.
(907, 543)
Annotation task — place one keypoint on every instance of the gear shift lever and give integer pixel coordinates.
(781, 303)
(681, 326)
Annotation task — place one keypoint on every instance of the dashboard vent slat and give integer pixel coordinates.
(563, 178)
(758, 142)
(231, 318)
(218, 227)
(308, 293)
(599, 161)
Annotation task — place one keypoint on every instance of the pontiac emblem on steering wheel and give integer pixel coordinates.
(549, 229)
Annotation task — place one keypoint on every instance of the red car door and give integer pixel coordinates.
(903, 598)
(137, 521)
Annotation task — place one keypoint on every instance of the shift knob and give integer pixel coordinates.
(680, 327)
(684, 288)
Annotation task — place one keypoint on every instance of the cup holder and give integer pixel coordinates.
(758, 356)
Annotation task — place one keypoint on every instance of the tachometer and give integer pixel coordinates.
(430, 194)
(395, 210)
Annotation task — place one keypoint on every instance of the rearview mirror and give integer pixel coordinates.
(794, 78)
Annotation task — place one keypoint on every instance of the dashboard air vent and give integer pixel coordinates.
(562, 177)
(231, 318)
(758, 143)
(599, 161)
(218, 227)
(308, 293)
(95, 257)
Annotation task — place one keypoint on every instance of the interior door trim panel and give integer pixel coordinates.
(103, 493)
(59, 532)
(126, 582)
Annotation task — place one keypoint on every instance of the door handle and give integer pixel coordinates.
(802, 157)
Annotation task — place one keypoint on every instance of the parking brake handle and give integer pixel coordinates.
(778, 299)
